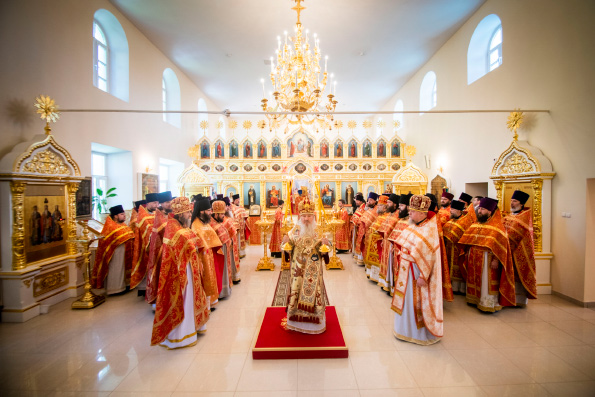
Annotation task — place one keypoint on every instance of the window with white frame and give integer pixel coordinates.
(100, 58)
(495, 51)
(485, 48)
(98, 173)
(110, 55)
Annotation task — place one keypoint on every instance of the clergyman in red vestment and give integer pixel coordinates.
(519, 226)
(182, 307)
(488, 261)
(417, 298)
(113, 259)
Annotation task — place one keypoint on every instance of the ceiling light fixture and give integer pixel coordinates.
(298, 81)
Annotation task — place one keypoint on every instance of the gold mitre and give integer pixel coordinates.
(219, 207)
(180, 205)
(306, 206)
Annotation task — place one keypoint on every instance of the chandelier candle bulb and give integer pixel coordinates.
(325, 62)
(263, 91)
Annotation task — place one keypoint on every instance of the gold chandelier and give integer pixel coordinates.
(298, 81)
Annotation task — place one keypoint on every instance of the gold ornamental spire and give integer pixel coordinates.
(298, 8)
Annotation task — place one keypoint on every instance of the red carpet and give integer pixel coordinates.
(274, 343)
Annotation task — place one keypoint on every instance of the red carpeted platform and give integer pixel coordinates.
(274, 342)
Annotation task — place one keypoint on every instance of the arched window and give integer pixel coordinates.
(428, 96)
(495, 52)
(485, 48)
(398, 116)
(110, 55)
(100, 58)
(170, 91)
(164, 98)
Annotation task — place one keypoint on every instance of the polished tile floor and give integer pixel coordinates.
(545, 349)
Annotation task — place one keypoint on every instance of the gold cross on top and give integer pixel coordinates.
(298, 8)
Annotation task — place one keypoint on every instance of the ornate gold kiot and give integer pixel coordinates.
(47, 110)
(515, 119)
(297, 79)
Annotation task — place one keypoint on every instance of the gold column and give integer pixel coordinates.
(72, 188)
(262, 191)
(17, 190)
(537, 227)
(499, 193)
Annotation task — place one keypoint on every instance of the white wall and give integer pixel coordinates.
(119, 175)
(47, 48)
(548, 61)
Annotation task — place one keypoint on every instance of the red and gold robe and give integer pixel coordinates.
(255, 237)
(342, 235)
(141, 246)
(180, 248)
(276, 237)
(241, 217)
(447, 293)
(211, 242)
(491, 237)
(520, 236)
(219, 256)
(385, 231)
(443, 216)
(357, 214)
(368, 217)
(133, 219)
(232, 230)
(155, 255)
(401, 225)
(113, 234)
(371, 253)
(420, 244)
(452, 231)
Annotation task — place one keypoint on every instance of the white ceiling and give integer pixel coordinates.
(374, 46)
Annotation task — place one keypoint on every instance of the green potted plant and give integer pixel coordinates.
(100, 199)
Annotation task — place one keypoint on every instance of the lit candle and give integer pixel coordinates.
(263, 92)
(278, 43)
(335, 88)
(285, 37)
(272, 66)
(325, 62)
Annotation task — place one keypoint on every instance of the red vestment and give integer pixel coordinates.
(385, 231)
(275, 245)
(446, 283)
(113, 234)
(342, 235)
(211, 242)
(489, 236)
(180, 248)
(443, 215)
(420, 244)
(219, 256)
(141, 246)
(155, 255)
(520, 236)
(366, 220)
(452, 231)
(232, 228)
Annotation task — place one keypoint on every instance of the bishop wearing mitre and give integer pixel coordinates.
(305, 249)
